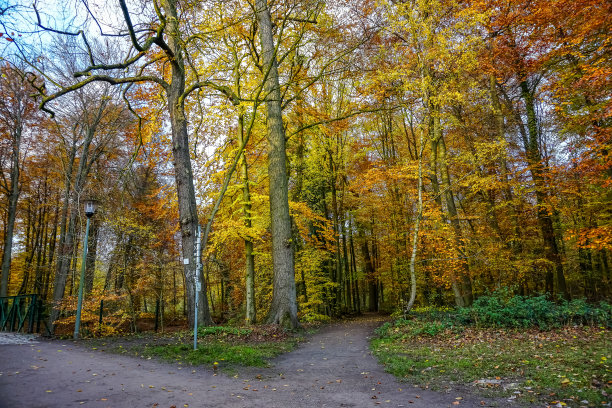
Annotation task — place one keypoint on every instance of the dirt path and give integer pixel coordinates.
(334, 368)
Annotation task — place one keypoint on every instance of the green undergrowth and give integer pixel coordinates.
(502, 355)
(502, 310)
(219, 347)
(221, 354)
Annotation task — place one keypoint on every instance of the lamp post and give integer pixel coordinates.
(90, 209)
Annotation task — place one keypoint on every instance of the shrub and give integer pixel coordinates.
(499, 310)
(114, 321)
(423, 324)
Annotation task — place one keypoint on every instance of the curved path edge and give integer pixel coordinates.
(332, 368)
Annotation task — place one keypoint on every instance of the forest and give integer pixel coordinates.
(328, 157)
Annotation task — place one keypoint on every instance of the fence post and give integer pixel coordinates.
(14, 308)
(33, 304)
(39, 312)
(3, 312)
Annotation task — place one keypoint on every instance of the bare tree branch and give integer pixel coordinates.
(130, 26)
(101, 78)
(80, 33)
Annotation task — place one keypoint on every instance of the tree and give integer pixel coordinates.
(17, 118)
(163, 44)
(417, 224)
(91, 123)
(283, 310)
(517, 45)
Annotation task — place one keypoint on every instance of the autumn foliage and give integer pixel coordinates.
(500, 111)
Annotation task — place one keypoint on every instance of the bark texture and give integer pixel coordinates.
(283, 309)
(188, 215)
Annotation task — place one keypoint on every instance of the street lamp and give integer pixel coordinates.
(90, 209)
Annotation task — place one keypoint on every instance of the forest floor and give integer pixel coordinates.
(566, 366)
(330, 368)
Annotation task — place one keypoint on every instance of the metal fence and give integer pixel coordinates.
(16, 311)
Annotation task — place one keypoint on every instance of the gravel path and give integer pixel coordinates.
(17, 338)
(334, 368)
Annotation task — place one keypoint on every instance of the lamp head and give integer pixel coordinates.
(90, 207)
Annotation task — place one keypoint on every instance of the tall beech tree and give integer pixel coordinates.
(283, 310)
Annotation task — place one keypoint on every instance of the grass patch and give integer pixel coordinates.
(227, 348)
(226, 355)
(569, 364)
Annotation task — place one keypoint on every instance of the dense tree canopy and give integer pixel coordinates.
(340, 156)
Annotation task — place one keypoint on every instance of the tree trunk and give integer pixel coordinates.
(370, 275)
(356, 294)
(13, 198)
(433, 163)
(73, 198)
(52, 244)
(515, 242)
(250, 315)
(417, 224)
(283, 309)
(536, 168)
(188, 214)
(61, 273)
(464, 279)
(41, 257)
